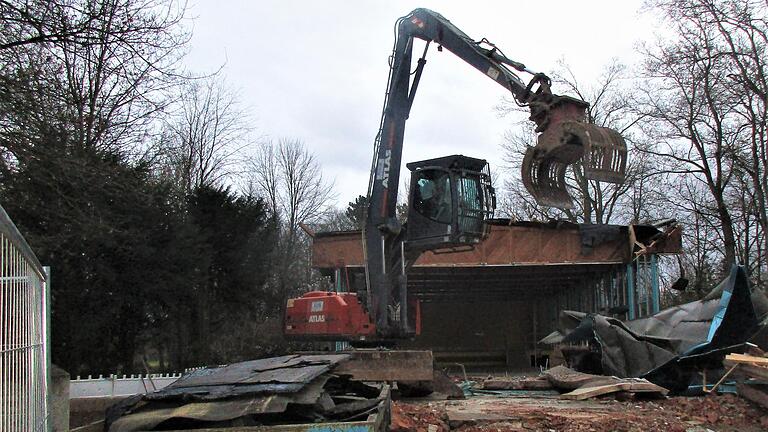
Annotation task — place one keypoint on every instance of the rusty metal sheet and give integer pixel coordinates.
(278, 370)
(204, 411)
(221, 410)
(519, 244)
(374, 418)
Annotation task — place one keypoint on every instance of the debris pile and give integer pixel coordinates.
(670, 347)
(754, 373)
(418, 417)
(441, 386)
(583, 386)
(294, 389)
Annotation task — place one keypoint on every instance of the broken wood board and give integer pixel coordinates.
(744, 358)
(564, 378)
(757, 372)
(757, 393)
(384, 365)
(539, 383)
(630, 385)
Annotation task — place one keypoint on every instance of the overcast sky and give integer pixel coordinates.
(317, 70)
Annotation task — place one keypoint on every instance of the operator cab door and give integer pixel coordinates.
(431, 208)
(450, 199)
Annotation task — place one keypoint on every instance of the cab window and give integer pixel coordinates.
(432, 197)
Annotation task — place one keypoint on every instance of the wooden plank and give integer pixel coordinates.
(753, 371)
(589, 392)
(645, 386)
(569, 379)
(540, 383)
(744, 358)
(754, 393)
(628, 385)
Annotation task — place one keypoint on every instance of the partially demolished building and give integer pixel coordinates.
(488, 306)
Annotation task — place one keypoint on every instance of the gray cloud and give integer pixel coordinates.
(317, 70)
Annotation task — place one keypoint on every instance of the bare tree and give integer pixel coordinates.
(98, 73)
(704, 98)
(306, 195)
(66, 21)
(291, 179)
(205, 138)
(743, 27)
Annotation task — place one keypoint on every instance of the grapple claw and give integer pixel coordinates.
(565, 138)
(545, 180)
(605, 152)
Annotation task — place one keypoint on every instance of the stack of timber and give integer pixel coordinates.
(584, 386)
(755, 370)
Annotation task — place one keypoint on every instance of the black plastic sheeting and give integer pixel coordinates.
(670, 347)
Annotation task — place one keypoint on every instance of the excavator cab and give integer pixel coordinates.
(449, 201)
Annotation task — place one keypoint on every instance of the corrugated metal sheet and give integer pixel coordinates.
(282, 392)
(286, 374)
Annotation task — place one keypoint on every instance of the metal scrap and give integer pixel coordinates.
(295, 390)
(669, 347)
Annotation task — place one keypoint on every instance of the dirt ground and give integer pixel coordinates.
(549, 413)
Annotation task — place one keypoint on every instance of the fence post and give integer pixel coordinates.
(47, 345)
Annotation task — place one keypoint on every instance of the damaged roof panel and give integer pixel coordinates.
(298, 392)
(278, 370)
(520, 243)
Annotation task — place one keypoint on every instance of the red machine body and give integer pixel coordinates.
(323, 315)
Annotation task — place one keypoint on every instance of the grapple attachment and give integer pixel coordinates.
(565, 137)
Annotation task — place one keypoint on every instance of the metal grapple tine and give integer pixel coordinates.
(544, 178)
(605, 152)
(565, 137)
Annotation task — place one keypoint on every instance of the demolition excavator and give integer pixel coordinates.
(450, 198)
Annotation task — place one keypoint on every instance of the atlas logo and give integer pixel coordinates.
(317, 318)
(394, 312)
(383, 168)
